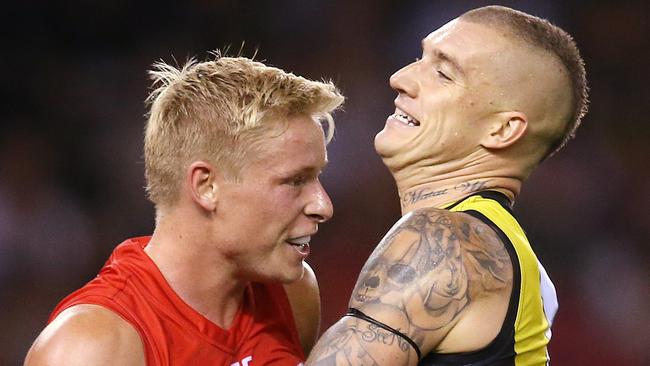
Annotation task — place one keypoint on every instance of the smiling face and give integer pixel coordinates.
(447, 98)
(268, 216)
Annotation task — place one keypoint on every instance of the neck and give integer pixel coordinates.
(194, 269)
(439, 186)
(439, 195)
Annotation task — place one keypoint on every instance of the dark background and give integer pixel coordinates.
(71, 170)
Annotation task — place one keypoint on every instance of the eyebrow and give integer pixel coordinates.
(310, 169)
(446, 58)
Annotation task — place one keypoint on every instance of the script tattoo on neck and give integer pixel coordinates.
(425, 193)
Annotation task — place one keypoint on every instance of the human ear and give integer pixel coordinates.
(203, 185)
(506, 129)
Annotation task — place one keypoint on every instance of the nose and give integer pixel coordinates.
(403, 80)
(319, 208)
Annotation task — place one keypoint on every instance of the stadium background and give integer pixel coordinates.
(72, 91)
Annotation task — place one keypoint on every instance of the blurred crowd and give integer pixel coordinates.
(71, 169)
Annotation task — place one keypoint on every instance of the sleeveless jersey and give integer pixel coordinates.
(526, 330)
(263, 331)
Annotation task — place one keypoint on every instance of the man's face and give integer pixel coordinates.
(444, 97)
(273, 210)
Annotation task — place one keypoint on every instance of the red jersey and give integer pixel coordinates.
(263, 331)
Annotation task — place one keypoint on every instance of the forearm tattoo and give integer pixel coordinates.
(429, 267)
(351, 343)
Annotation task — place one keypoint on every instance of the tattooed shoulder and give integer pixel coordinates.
(430, 266)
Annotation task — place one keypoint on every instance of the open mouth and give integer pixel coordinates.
(301, 244)
(405, 118)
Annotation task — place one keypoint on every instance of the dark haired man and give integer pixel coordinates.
(455, 281)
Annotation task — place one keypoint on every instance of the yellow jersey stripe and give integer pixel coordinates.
(532, 324)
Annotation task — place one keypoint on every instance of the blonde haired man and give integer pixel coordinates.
(455, 281)
(233, 152)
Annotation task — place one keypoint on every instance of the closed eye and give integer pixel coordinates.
(444, 76)
(298, 181)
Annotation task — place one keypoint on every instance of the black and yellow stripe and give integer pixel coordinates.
(525, 333)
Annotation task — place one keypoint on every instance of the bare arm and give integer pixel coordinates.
(432, 269)
(87, 335)
(304, 297)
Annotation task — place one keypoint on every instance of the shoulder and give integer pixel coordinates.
(85, 335)
(304, 297)
(429, 269)
(431, 237)
(436, 237)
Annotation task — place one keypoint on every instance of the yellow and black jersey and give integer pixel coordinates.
(526, 330)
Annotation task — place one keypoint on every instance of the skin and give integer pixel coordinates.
(434, 277)
(442, 278)
(232, 233)
(87, 334)
(304, 297)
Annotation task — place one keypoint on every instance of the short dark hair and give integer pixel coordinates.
(540, 33)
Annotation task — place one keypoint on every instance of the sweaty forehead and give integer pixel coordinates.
(484, 53)
(466, 38)
(440, 34)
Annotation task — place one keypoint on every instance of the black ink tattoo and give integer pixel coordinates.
(422, 194)
(351, 343)
(429, 267)
(471, 187)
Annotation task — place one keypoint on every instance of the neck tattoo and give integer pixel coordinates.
(417, 195)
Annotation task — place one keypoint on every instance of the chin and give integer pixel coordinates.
(388, 150)
(290, 275)
(297, 274)
(383, 145)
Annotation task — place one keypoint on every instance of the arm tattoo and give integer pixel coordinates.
(350, 342)
(429, 267)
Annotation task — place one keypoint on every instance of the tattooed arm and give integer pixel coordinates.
(435, 275)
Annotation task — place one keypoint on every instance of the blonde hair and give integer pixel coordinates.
(217, 111)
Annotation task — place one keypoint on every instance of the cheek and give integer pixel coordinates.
(285, 204)
(279, 209)
(485, 98)
(256, 220)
